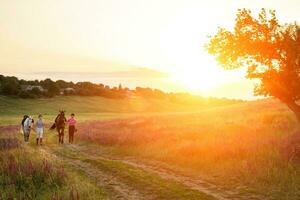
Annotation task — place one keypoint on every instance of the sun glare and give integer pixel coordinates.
(195, 79)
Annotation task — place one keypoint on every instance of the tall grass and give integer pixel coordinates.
(234, 147)
(23, 173)
(25, 178)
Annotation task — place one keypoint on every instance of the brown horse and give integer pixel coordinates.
(59, 124)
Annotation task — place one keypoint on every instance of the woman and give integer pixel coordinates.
(72, 129)
(39, 130)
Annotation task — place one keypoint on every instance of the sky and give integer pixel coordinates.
(148, 43)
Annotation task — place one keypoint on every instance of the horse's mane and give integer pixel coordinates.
(59, 120)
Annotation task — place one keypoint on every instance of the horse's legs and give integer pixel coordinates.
(60, 131)
(62, 134)
(26, 135)
(59, 135)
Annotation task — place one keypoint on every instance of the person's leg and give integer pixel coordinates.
(71, 134)
(72, 137)
(74, 130)
(41, 136)
(37, 136)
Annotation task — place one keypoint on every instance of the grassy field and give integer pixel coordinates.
(246, 147)
(60, 172)
(27, 172)
(88, 108)
(239, 151)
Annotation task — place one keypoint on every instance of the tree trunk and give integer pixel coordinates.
(295, 108)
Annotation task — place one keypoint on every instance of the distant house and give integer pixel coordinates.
(31, 87)
(67, 91)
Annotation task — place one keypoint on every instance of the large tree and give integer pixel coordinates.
(269, 50)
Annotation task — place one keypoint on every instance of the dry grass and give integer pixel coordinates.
(24, 174)
(234, 146)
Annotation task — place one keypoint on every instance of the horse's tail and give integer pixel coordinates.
(53, 126)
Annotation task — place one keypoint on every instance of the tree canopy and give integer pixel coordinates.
(269, 50)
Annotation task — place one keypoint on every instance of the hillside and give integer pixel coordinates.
(13, 108)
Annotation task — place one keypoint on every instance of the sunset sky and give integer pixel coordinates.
(154, 43)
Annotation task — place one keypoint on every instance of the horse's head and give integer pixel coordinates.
(62, 112)
(60, 119)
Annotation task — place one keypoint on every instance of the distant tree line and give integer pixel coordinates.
(12, 86)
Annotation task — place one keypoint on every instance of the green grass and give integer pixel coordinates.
(137, 178)
(12, 109)
(86, 108)
(89, 108)
(77, 104)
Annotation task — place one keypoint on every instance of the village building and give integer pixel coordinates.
(31, 87)
(67, 91)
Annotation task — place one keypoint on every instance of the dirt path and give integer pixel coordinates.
(194, 183)
(117, 189)
(120, 190)
(104, 180)
(167, 174)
